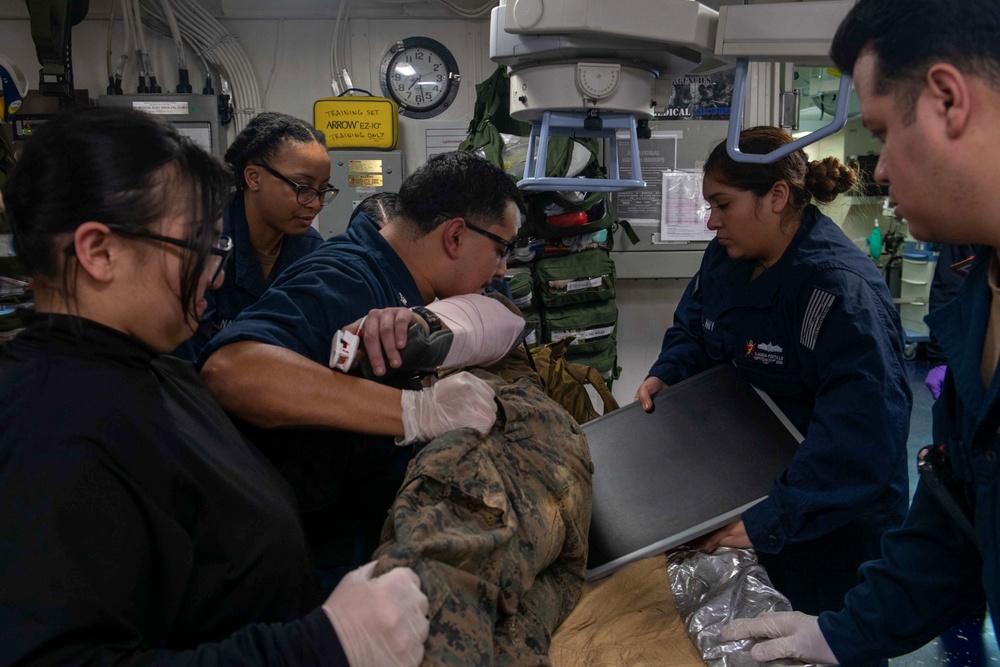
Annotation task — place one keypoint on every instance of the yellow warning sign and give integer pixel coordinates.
(357, 122)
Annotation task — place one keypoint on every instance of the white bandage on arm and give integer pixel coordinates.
(484, 329)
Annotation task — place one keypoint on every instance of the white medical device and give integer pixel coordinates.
(593, 67)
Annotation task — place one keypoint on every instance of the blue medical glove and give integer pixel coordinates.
(935, 380)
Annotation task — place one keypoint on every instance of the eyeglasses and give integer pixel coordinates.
(305, 193)
(220, 251)
(508, 246)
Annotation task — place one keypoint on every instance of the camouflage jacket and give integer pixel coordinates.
(496, 527)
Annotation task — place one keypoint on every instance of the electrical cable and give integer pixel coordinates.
(469, 14)
(215, 45)
(242, 82)
(115, 73)
(335, 84)
(122, 58)
(132, 42)
(274, 63)
(345, 76)
(175, 32)
(111, 25)
(126, 24)
(146, 59)
(157, 21)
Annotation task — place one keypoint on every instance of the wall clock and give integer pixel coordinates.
(420, 75)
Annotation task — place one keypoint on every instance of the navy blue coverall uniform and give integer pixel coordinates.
(345, 482)
(932, 573)
(245, 282)
(819, 333)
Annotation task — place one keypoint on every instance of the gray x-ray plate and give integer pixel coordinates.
(710, 449)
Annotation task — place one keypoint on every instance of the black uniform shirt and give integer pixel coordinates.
(136, 525)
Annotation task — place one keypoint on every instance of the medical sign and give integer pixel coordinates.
(707, 97)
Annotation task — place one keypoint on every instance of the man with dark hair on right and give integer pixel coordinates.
(927, 73)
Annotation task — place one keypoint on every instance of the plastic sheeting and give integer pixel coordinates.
(710, 590)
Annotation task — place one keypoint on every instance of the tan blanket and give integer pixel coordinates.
(627, 619)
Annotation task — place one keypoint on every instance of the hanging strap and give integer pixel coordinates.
(588, 374)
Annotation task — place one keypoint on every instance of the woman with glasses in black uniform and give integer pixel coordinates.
(138, 526)
(282, 172)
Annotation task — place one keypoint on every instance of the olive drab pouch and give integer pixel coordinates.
(575, 277)
(491, 116)
(566, 381)
(605, 361)
(590, 327)
(533, 320)
(522, 290)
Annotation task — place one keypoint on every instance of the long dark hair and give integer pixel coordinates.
(115, 166)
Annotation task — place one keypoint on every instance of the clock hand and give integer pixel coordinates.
(415, 81)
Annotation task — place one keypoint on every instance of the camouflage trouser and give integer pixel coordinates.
(496, 527)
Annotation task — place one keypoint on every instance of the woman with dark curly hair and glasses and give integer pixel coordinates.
(282, 172)
(138, 526)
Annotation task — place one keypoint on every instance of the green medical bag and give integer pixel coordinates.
(575, 278)
(591, 325)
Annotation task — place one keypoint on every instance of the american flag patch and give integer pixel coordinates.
(819, 305)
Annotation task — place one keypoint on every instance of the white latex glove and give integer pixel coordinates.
(484, 329)
(381, 621)
(792, 634)
(458, 401)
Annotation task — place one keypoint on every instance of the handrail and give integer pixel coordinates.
(736, 120)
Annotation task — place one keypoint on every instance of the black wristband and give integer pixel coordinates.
(432, 320)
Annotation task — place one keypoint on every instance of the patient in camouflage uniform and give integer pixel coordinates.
(496, 527)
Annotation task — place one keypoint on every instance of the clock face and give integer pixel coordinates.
(418, 78)
(421, 76)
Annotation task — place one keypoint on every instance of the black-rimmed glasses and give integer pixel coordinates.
(304, 194)
(508, 246)
(220, 251)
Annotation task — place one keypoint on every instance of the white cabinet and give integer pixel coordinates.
(915, 288)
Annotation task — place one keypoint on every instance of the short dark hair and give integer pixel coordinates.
(379, 207)
(908, 37)
(115, 166)
(460, 184)
(821, 180)
(262, 137)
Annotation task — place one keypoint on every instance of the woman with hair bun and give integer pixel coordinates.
(282, 172)
(803, 314)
